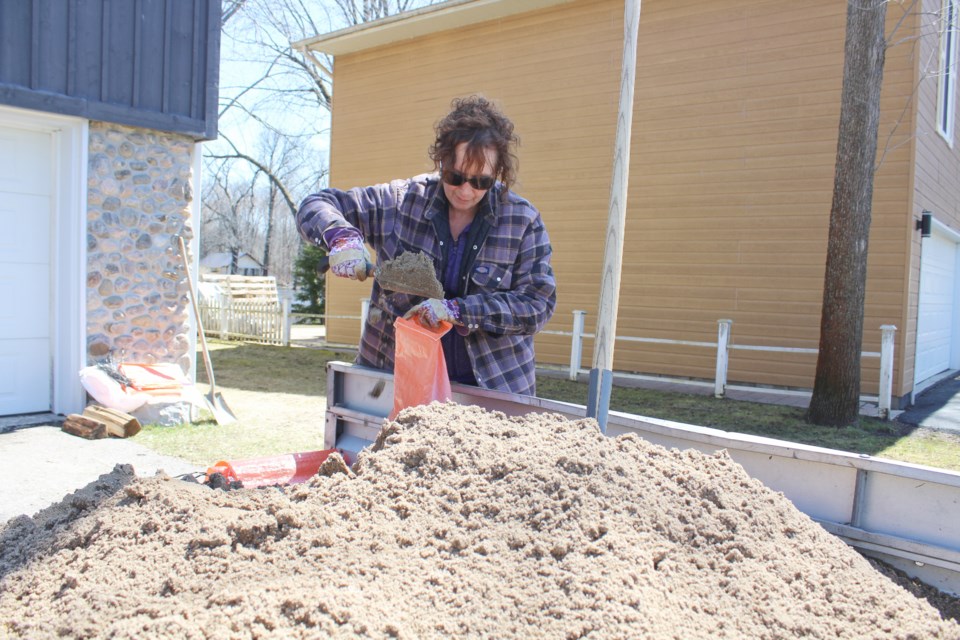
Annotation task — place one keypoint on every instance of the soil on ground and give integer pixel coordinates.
(458, 523)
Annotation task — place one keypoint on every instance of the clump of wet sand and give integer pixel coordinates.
(460, 523)
(412, 272)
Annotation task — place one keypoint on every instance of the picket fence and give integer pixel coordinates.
(250, 321)
(254, 321)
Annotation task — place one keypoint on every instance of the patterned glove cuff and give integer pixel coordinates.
(453, 310)
(336, 234)
(347, 243)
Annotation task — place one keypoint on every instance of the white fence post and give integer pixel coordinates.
(723, 357)
(364, 312)
(576, 343)
(286, 321)
(224, 322)
(886, 370)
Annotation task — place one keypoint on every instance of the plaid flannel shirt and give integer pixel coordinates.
(510, 293)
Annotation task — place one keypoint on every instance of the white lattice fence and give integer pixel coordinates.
(230, 319)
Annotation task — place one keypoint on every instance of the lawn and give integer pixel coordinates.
(279, 395)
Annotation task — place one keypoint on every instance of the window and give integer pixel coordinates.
(946, 97)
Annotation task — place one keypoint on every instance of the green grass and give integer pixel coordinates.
(872, 436)
(206, 442)
(275, 392)
(254, 378)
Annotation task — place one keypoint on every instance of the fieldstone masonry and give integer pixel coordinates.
(138, 201)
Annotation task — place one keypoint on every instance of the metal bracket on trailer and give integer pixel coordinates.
(904, 514)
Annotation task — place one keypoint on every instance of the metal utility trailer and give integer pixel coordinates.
(904, 514)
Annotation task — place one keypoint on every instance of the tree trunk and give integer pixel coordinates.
(271, 203)
(836, 390)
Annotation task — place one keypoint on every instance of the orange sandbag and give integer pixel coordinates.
(155, 379)
(419, 370)
(289, 468)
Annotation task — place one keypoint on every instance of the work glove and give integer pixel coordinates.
(432, 312)
(349, 258)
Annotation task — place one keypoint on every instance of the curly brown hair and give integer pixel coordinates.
(481, 124)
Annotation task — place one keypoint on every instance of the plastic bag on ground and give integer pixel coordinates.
(110, 393)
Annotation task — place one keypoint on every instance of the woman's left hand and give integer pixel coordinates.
(433, 311)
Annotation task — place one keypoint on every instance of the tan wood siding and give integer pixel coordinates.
(555, 73)
(734, 142)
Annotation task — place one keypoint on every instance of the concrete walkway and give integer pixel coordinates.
(40, 464)
(937, 407)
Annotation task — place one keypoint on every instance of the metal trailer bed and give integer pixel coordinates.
(904, 514)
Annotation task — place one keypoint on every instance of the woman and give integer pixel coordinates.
(488, 245)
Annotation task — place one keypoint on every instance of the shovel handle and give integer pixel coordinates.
(196, 314)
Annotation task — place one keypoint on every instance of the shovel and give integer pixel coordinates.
(216, 404)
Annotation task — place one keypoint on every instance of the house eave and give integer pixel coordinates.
(419, 22)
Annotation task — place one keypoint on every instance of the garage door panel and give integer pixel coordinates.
(26, 368)
(25, 161)
(24, 376)
(23, 283)
(936, 312)
(26, 229)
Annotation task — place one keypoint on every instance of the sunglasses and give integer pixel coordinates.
(455, 179)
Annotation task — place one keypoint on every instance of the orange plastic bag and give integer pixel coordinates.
(289, 468)
(419, 370)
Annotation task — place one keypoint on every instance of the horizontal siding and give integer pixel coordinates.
(734, 141)
(553, 72)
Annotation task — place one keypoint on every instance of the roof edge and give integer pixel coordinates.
(418, 22)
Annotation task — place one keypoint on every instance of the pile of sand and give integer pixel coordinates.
(464, 523)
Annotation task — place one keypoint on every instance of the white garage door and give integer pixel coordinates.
(26, 171)
(937, 311)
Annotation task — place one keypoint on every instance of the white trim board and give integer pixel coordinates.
(418, 22)
(69, 137)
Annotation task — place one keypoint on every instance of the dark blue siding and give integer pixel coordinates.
(16, 20)
(149, 63)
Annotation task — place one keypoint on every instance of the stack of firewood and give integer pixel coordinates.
(101, 422)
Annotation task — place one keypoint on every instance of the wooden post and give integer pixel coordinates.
(887, 332)
(287, 321)
(723, 357)
(364, 313)
(601, 375)
(224, 322)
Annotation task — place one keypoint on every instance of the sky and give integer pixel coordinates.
(243, 65)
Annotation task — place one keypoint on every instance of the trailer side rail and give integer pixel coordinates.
(907, 515)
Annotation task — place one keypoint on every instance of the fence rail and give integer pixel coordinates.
(723, 347)
(270, 323)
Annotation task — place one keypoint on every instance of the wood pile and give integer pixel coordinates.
(100, 422)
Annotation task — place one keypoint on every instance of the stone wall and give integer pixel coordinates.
(138, 201)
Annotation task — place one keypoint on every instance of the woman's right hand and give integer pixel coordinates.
(349, 258)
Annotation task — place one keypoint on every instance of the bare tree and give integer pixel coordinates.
(285, 95)
(229, 211)
(262, 203)
(355, 12)
(836, 391)
(228, 9)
